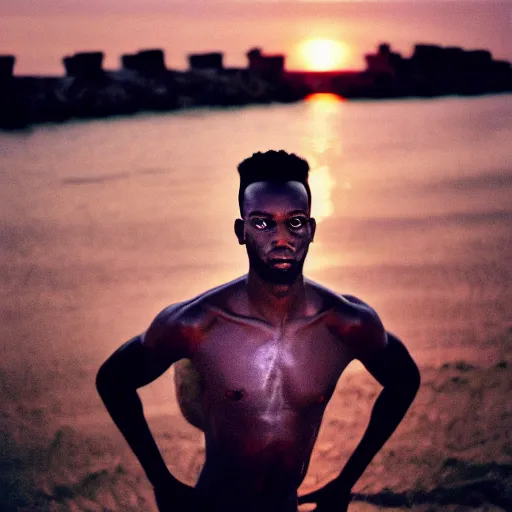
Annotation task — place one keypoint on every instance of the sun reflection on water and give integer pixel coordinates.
(321, 144)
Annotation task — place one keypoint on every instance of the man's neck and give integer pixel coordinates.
(276, 303)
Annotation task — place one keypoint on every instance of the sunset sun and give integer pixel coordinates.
(323, 54)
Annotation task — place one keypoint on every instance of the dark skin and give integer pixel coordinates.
(269, 347)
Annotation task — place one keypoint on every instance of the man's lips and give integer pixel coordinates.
(281, 263)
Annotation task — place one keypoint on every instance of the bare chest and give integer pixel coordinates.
(292, 368)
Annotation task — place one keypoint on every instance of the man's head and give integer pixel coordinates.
(275, 205)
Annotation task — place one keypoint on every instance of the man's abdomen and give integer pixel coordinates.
(258, 455)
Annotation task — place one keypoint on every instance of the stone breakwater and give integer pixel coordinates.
(31, 100)
(145, 84)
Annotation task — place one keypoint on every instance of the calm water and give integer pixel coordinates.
(104, 223)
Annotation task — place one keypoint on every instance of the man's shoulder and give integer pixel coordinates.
(342, 303)
(186, 322)
(353, 321)
(200, 308)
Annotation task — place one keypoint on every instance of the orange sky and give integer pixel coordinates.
(40, 33)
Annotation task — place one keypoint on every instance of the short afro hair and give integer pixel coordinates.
(274, 166)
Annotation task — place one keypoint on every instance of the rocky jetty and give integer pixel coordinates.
(6, 66)
(146, 62)
(211, 61)
(431, 71)
(144, 83)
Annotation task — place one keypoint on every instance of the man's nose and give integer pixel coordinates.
(282, 237)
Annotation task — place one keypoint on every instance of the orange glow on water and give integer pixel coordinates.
(324, 98)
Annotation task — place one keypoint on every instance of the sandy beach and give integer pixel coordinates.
(452, 452)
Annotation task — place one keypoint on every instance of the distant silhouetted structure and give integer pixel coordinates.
(212, 61)
(268, 66)
(145, 84)
(145, 62)
(84, 65)
(433, 70)
(452, 70)
(384, 61)
(6, 66)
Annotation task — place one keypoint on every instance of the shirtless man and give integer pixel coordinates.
(269, 348)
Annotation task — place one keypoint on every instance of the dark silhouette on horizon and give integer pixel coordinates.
(144, 83)
(145, 62)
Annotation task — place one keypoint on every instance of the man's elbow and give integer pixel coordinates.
(103, 380)
(403, 379)
(413, 377)
(405, 373)
(108, 380)
(407, 381)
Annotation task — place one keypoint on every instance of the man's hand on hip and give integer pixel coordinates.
(176, 497)
(333, 497)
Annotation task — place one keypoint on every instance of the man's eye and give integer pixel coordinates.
(260, 223)
(296, 222)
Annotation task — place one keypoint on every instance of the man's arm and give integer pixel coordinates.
(135, 364)
(387, 359)
(396, 371)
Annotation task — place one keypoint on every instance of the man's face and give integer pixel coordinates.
(277, 229)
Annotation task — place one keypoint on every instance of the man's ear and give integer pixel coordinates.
(312, 226)
(239, 231)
